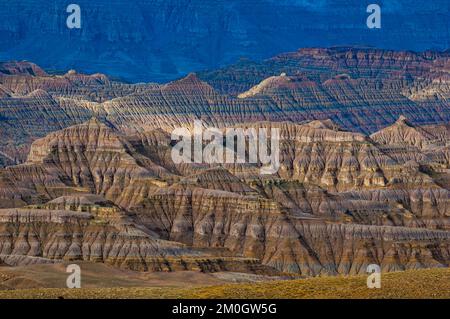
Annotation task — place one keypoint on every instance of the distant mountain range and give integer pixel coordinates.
(162, 40)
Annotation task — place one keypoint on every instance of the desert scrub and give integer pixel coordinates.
(426, 283)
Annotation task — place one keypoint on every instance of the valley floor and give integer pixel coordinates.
(426, 283)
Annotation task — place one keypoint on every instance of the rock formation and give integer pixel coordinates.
(339, 202)
(87, 172)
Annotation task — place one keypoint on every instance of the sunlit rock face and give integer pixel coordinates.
(339, 202)
(360, 90)
(87, 170)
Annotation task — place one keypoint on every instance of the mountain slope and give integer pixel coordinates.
(331, 210)
(161, 40)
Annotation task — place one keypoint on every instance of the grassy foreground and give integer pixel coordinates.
(429, 283)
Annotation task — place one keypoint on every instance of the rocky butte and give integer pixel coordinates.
(87, 172)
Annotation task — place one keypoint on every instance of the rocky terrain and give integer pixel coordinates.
(87, 174)
(360, 90)
(337, 204)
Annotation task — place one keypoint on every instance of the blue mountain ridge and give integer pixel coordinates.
(160, 40)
